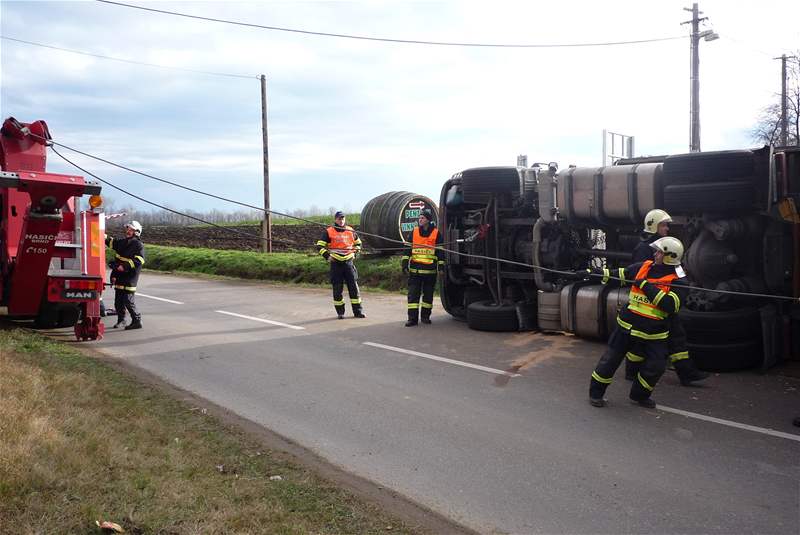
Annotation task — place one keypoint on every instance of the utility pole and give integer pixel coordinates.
(266, 224)
(694, 92)
(784, 99)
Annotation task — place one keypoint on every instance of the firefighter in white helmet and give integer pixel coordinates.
(656, 226)
(643, 324)
(125, 269)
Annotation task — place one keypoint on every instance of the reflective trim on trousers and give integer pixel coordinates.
(413, 306)
(644, 383)
(128, 288)
(601, 379)
(633, 357)
(680, 355)
(427, 305)
(340, 303)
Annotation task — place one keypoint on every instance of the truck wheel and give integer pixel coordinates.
(487, 316)
(726, 326)
(703, 197)
(727, 357)
(708, 166)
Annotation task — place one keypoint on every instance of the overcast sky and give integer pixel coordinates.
(351, 119)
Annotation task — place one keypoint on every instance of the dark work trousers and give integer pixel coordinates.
(677, 349)
(654, 353)
(420, 285)
(341, 273)
(124, 300)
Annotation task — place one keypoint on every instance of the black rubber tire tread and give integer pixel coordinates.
(709, 197)
(486, 316)
(708, 166)
(727, 326)
(490, 180)
(727, 357)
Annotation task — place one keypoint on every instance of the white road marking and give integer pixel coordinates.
(443, 359)
(139, 294)
(720, 421)
(262, 320)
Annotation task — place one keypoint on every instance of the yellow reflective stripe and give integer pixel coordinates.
(357, 242)
(606, 275)
(412, 306)
(342, 258)
(647, 336)
(121, 287)
(404, 257)
(648, 310)
(323, 251)
(139, 258)
(335, 302)
(355, 301)
(633, 357)
(601, 379)
(680, 355)
(441, 262)
(621, 273)
(643, 382)
(624, 324)
(677, 301)
(427, 305)
(659, 296)
(128, 260)
(422, 271)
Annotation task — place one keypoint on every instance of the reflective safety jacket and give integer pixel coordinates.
(422, 257)
(638, 301)
(650, 302)
(339, 243)
(128, 253)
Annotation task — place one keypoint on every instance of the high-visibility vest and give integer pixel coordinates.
(638, 302)
(423, 247)
(342, 243)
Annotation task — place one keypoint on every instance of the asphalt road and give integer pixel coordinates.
(513, 447)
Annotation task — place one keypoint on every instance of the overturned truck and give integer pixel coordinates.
(735, 211)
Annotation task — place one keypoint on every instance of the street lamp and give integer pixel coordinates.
(694, 94)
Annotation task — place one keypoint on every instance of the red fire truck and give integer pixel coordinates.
(52, 252)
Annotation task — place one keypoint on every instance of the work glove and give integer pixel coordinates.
(441, 267)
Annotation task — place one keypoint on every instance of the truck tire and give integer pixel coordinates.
(709, 197)
(709, 166)
(487, 316)
(729, 357)
(738, 325)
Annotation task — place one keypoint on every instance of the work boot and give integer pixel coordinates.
(135, 324)
(411, 323)
(647, 403)
(118, 324)
(426, 321)
(359, 314)
(688, 372)
(597, 402)
(340, 316)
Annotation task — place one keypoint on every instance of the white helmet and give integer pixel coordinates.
(653, 218)
(672, 249)
(136, 226)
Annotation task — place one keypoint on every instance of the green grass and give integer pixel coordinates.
(80, 441)
(382, 273)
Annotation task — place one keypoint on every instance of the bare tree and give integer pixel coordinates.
(768, 126)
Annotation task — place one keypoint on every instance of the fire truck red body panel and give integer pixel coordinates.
(52, 256)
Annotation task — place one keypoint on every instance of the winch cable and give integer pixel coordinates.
(177, 212)
(568, 274)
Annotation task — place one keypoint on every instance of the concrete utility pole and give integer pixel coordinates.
(266, 225)
(784, 97)
(694, 93)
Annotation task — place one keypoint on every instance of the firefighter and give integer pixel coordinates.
(643, 324)
(338, 246)
(656, 226)
(125, 268)
(420, 262)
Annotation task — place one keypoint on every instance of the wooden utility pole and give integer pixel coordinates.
(784, 97)
(266, 224)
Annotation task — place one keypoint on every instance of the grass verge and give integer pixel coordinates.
(80, 441)
(382, 273)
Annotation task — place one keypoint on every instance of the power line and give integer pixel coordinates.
(130, 61)
(388, 40)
